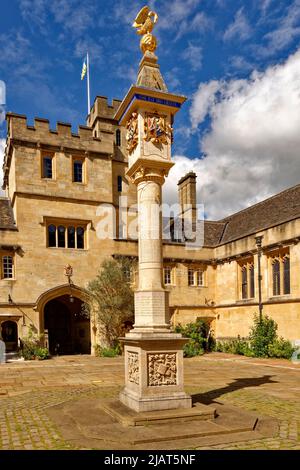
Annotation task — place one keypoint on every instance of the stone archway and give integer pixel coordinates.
(9, 333)
(66, 328)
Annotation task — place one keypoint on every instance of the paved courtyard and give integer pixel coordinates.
(28, 389)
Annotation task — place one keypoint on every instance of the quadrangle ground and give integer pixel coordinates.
(27, 389)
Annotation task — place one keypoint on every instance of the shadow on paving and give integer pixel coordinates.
(210, 397)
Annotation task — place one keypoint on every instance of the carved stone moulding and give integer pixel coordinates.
(149, 174)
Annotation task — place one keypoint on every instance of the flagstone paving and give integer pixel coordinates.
(27, 389)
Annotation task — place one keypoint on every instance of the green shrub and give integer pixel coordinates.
(199, 338)
(32, 347)
(263, 342)
(107, 352)
(262, 335)
(192, 348)
(28, 351)
(281, 348)
(41, 353)
(233, 346)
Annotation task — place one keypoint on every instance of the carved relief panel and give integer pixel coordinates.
(162, 369)
(133, 367)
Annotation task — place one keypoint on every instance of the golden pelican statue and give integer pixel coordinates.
(144, 23)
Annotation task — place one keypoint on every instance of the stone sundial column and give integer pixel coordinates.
(153, 353)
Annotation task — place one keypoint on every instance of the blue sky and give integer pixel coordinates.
(218, 53)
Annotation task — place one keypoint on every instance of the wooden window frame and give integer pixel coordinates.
(194, 274)
(168, 274)
(3, 256)
(199, 273)
(190, 277)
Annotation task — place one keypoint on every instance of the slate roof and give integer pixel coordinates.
(213, 232)
(6, 214)
(276, 210)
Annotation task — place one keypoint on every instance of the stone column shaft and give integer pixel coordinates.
(150, 238)
(151, 299)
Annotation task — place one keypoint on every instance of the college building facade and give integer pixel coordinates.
(56, 183)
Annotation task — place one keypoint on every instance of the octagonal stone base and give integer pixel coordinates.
(154, 373)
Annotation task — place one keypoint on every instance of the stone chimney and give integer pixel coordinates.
(188, 202)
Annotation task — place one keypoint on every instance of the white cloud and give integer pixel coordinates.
(13, 47)
(171, 78)
(199, 23)
(238, 28)
(288, 29)
(264, 5)
(252, 148)
(182, 15)
(203, 101)
(193, 55)
(2, 146)
(178, 11)
(34, 11)
(75, 16)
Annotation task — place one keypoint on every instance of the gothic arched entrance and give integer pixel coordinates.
(9, 332)
(66, 328)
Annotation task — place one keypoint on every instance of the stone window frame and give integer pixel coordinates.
(46, 154)
(196, 273)
(119, 183)
(3, 256)
(278, 257)
(67, 225)
(246, 290)
(118, 138)
(78, 158)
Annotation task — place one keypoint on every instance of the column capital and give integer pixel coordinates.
(145, 169)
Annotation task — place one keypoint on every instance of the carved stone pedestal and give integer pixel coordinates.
(154, 373)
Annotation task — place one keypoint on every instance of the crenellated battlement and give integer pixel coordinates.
(102, 109)
(62, 135)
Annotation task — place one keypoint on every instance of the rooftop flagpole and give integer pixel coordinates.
(88, 82)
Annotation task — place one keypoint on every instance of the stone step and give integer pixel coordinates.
(129, 417)
(13, 357)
